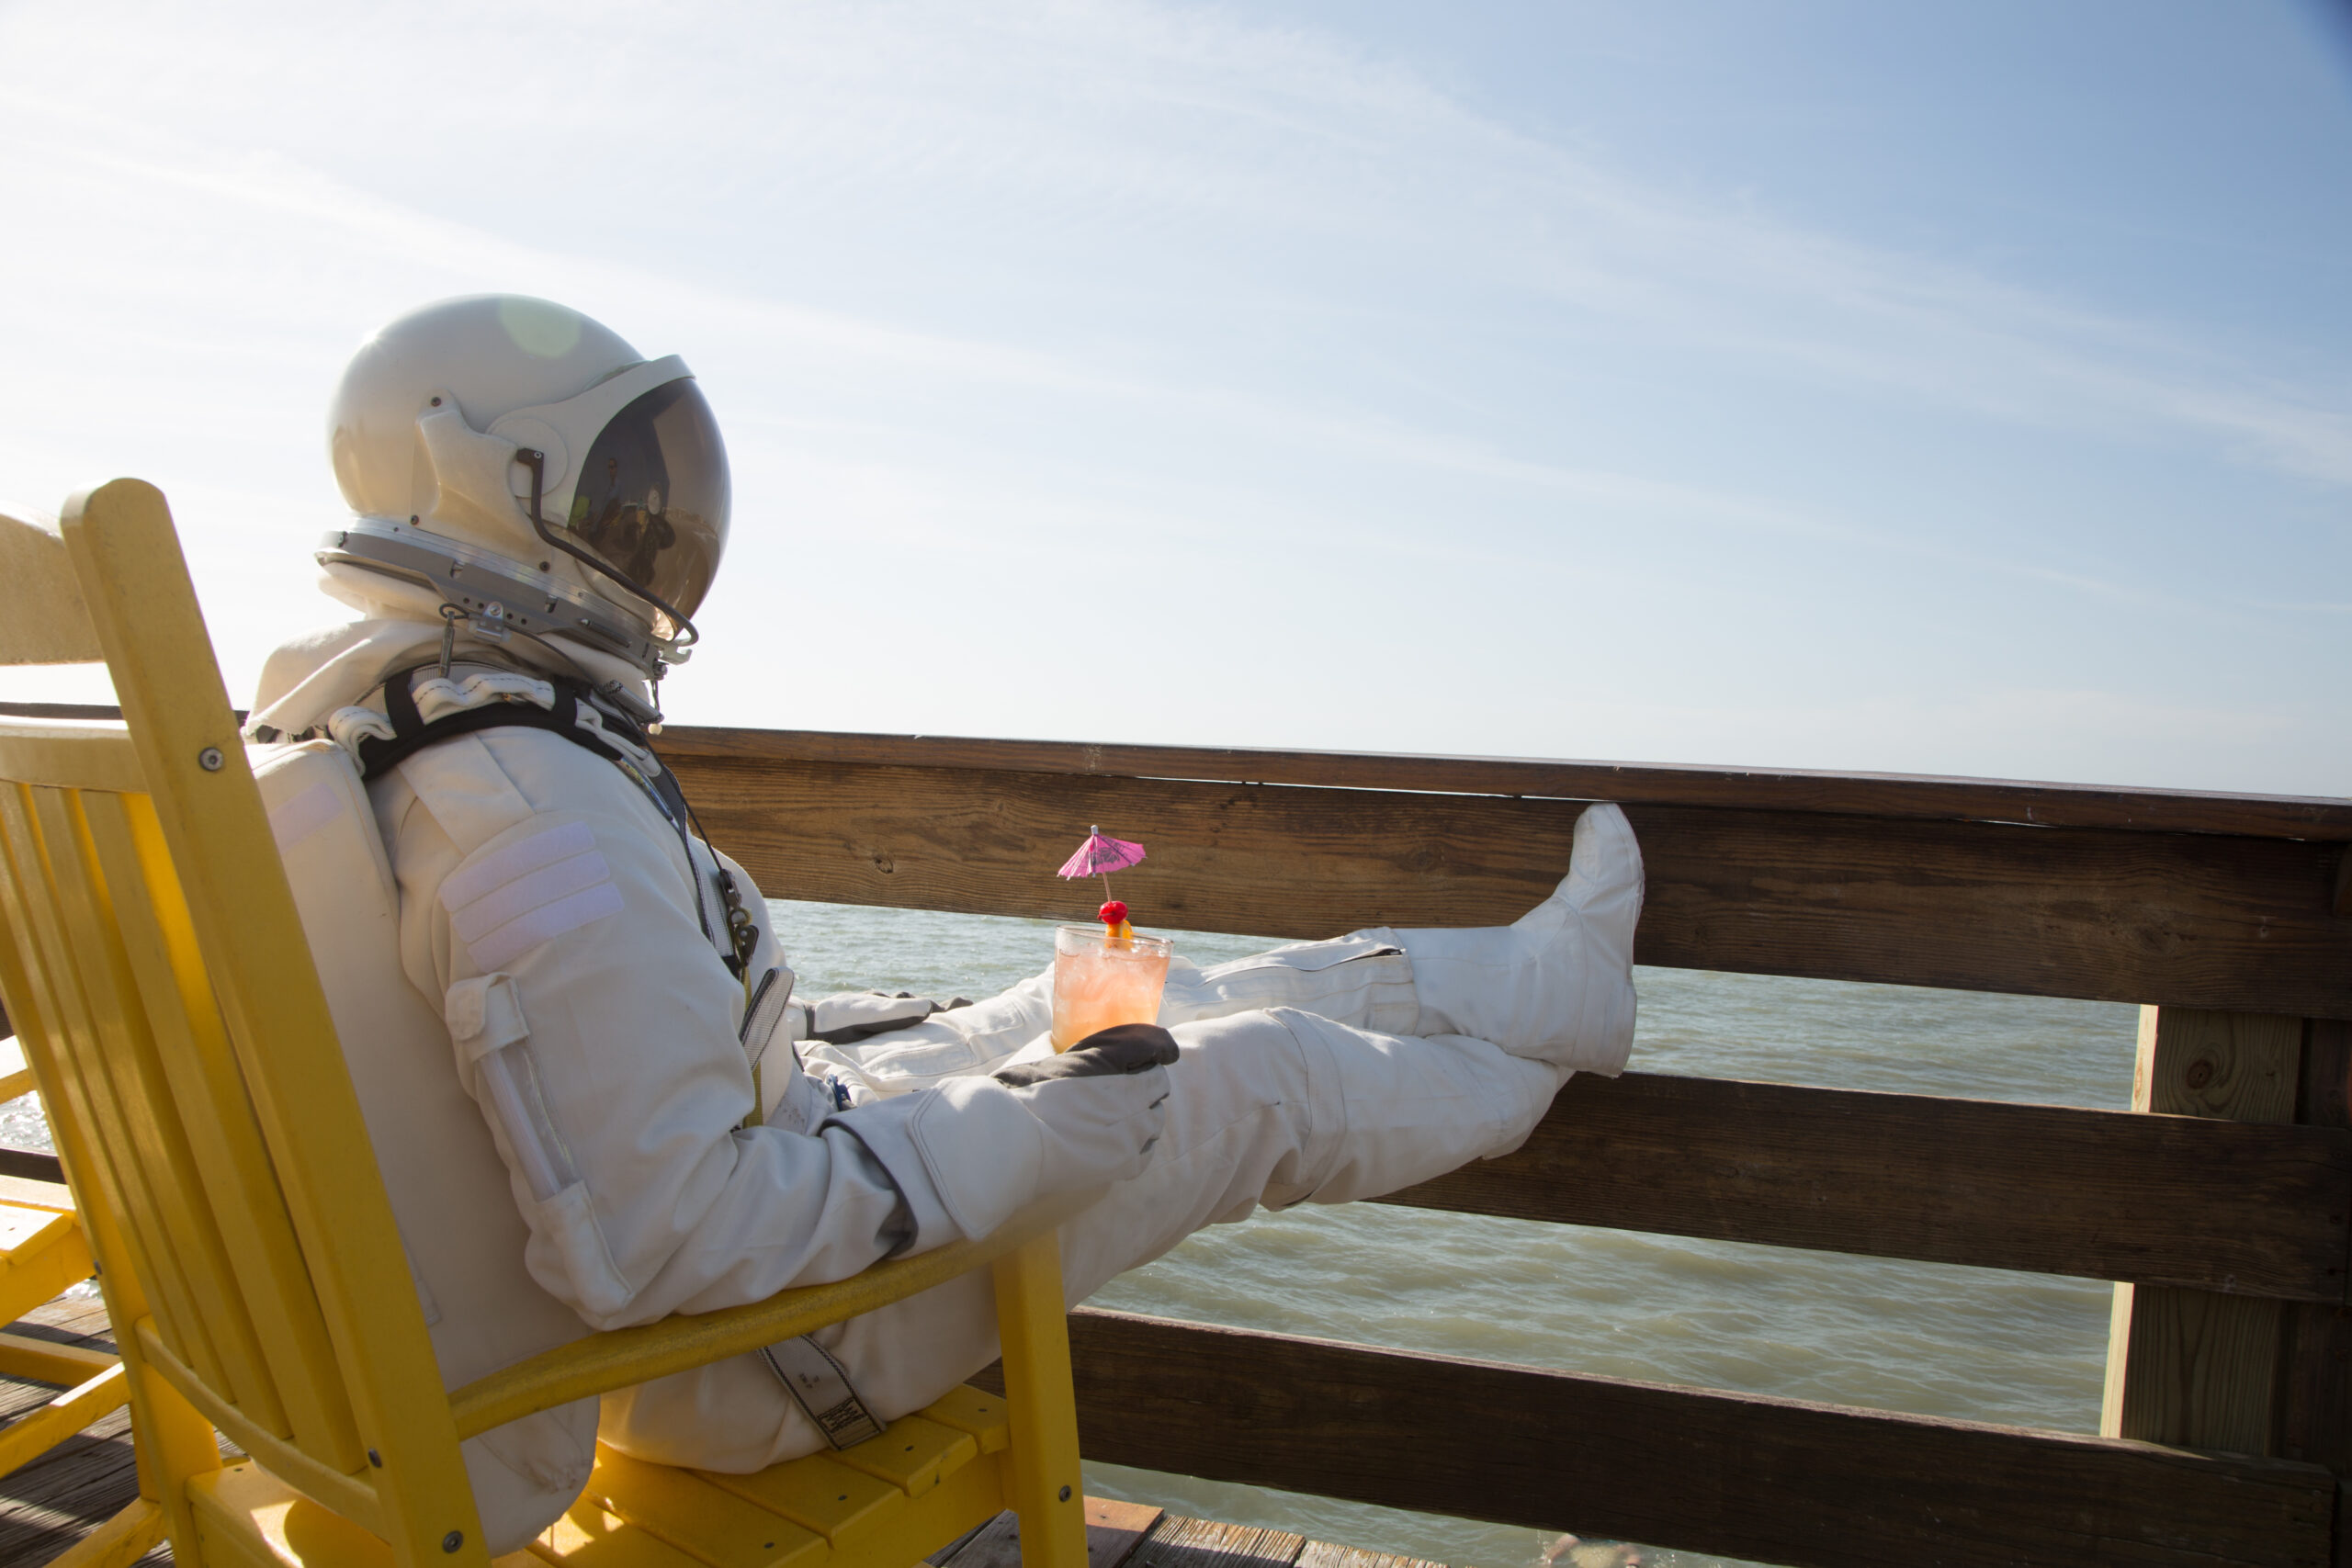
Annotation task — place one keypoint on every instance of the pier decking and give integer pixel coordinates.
(85, 1479)
(78, 1486)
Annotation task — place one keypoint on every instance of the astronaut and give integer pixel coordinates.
(593, 1099)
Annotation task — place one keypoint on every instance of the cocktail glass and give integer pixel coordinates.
(1101, 981)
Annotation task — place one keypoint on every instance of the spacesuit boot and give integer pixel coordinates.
(1555, 984)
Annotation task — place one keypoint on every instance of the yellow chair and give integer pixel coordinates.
(158, 975)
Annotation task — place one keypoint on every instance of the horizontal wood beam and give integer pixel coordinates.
(1781, 789)
(1773, 1479)
(1925, 796)
(31, 1164)
(2226, 1206)
(2181, 918)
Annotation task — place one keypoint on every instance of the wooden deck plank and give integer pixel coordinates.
(1204, 1543)
(68, 1491)
(83, 1482)
(1114, 1529)
(1323, 1554)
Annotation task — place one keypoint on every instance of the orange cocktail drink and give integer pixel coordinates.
(1101, 981)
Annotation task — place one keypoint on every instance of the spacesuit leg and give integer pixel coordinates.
(975, 1039)
(1555, 984)
(1273, 1107)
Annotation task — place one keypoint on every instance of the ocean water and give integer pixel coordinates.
(1931, 1339)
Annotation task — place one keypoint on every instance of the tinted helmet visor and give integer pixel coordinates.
(653, 495)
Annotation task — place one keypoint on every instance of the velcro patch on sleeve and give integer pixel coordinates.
(296, 819)
(528, 893)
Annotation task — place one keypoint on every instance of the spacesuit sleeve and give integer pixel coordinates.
(596, 1027)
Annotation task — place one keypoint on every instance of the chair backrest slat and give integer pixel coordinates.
(47, 622)
(63, 989)
(101, 914)
(224, 1137)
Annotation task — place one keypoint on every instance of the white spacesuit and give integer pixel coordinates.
(538, 512)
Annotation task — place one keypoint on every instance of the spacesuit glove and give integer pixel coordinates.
(973, 1152)
(1122, 1048)
(1099, 1128)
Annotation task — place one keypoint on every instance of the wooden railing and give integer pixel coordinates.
(2219, 1204)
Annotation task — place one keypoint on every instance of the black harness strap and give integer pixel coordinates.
(412, 733)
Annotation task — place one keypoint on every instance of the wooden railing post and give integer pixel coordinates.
(2315, 1361)
(2198, 1369)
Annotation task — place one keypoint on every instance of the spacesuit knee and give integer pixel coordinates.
(1394, 1109)
(1361, 980)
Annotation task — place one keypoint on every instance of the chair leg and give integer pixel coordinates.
(118, 1543)
(175, 1443)
(1033, 1325)
(22, 1356)
(30, 1436)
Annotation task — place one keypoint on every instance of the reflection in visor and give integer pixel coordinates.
(653, 495)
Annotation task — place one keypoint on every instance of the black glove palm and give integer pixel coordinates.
(1122, 1048)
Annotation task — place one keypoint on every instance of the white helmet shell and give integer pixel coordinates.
(450, 421)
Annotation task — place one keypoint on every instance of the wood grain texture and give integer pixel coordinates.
(1115, 1527)
(2188, 1367)
(1113, 1530)
(2315, 1372)
(1777, 1481)
(1323, 1554)
(2186, 919)
(2227, 1206)
(83, 1482)
(2315, 1393)
(1864, 794)
(1924, 797)
(2198, 1370)
(1204, 1543)
(2242, 1067)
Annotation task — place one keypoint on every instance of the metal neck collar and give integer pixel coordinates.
(496, 593)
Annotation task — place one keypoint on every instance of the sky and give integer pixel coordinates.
(1923, 389)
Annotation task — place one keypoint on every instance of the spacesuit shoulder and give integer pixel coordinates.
(481, 786)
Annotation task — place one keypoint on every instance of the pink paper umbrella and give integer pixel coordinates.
(1100, 855)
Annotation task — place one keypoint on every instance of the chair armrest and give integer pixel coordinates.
(619, 1357)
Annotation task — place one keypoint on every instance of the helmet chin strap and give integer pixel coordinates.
(536, 461)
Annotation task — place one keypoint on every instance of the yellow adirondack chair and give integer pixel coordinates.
(157, 972)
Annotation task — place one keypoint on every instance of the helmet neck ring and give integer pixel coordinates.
(488, 586)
